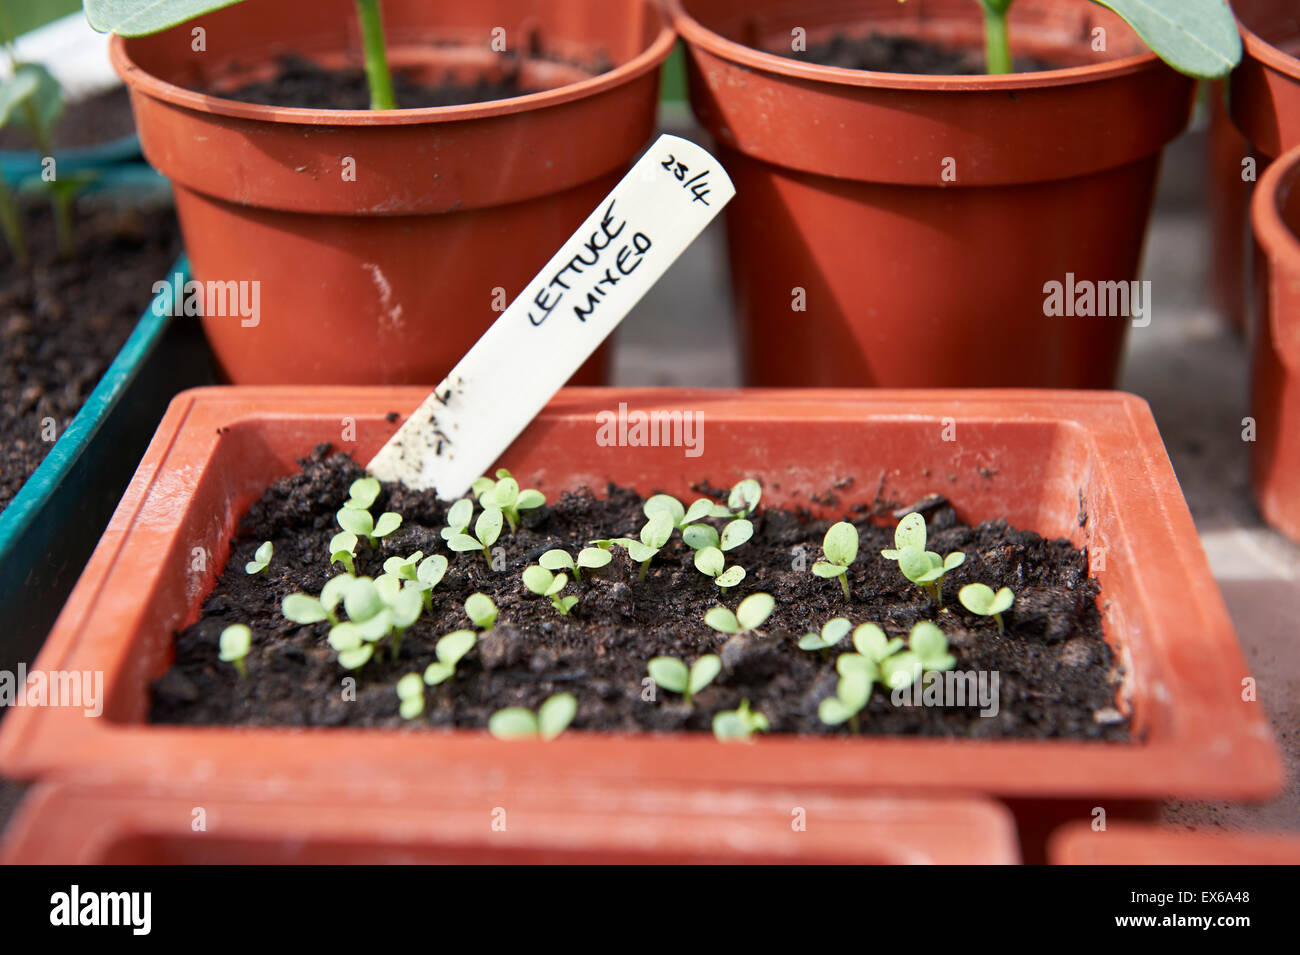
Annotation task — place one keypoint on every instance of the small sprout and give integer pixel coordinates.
(546, 584)
(481, 610)
(504, 494)
(375, 608)
(709, 561)
(589, 557)
(236, 640)
(751, 613)
(927, 650)
(361, 524)
(410, 690)
(551, 719)
(403, 568)
(261, 560)
(301, 608)
(851, 694)
(418, 573)
(833, 631)
(700, 536)
(343, 550)
(930, 645)
(744, 497)
(980, 599)
(362, 494)
(486, 531)
(353, 649)
(736, 533)
(672, 674)
(739, 724)
(449, 650)
(841, 548)
(654, 535)
(680, 515)
(458, 517)
(922, 567)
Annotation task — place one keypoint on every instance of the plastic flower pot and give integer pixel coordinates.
(567, 824)
(1133, 844)
(1275, 369)
(52, 525)
(842, 206)
(1086, 466)
(391, 274)
(1264, 105)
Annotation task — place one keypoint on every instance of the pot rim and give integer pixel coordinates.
(1268, 54)
(146, 83)
(1277, 238)
(695, 33)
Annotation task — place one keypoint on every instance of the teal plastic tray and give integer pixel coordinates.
(50, 528)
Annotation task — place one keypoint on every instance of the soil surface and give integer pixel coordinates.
(303, 84)
(62, 323)
(883, 53)
(97, 119)
(1057, 675)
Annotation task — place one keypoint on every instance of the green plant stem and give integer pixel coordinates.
(853, 723)
(372, 34)
(844, 585)
(998, 618)
(12, 226)
(997, 45)
(644, 567)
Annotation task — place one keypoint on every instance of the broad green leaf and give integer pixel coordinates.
(722, 620)
(481, 610)
(556, 559)
(566, 604)
(555, 715)
(657, 530)
(639, 552)
(504, 494)
(410, 685)
(823, 569)
(530, 499)
(356, 522)
(235, 642)
(841, 543)
(356, 659)
(730, 577)
(593, 557)
(344, 542)
(736, 533)
(438, 672)
(1196, 37)
(411, 707)
(665, 504)
(872, 643)
(345, 636)
(902, 669)
(463, 543)
(854, 689)
(1002, 600)
(700, 508)
(927, 640)
(558, 584)
(300, 608)
(334, 590)
(699, 536)
(514, 722)
(406, 608)
(670, 673)
(362, 600)
(364, 491)
(832, 711)
(488, 526)
(847, 663)
(141, 17)
(45, 98)
(910, 532)
(387, 523)
(755, 609)
(709, 560)
(833, 630)
(537, 579)
(954, 560)
(451, 648)
(703, 671)
(389, 588)
(459, 514)
(745, 496)
(431, 571)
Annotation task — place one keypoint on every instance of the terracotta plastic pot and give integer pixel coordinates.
(1087, 466)
(842, 205)
(383, 241)
(1129, 844)
(555, 825)
(1275, 370)
(1264, 106)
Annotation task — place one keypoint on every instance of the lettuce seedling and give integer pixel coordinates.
(486, 531)
(1196, 37)
(143, 17)
(236, 641)
(546, 584)
(980, 599)
(673, 675)
(851, 694)
(740, 724)
(481, 610)
(362, 493)
(735, 533)
(504, 494)
(922, 567)
(410, 691)
(261, 560)
(711, 562)
(458, 517)
(927, 650)
(840, 546)
(833, 631)
(304, 609)
(343, 550)
(653, 536)
(552, 718)
(679, 514)
(362, 524)
(744, 498)
(419, 573)
(591, 558)
(450, 650)
(375, 608)
(750, 614)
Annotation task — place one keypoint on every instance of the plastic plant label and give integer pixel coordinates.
(658, 209)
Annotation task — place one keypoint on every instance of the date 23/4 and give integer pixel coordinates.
(698, 184)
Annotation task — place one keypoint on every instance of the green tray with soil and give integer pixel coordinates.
(1120, 673)
(84, 379)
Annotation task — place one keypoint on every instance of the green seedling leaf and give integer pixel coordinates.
(40, 98)
(404, 568)
(236, 640)
(908, 535)
(261, 560)
(736, 533)
(841, 544)
(431, 571)
(1196, 37)
(930, 645)
(362, 493)
(356, 522)
(833, 631)
(980, 599)
(343, 549)
(730, 577)
(709, 561)
(555, 715)
(481, 610)
(387, 523)
(458, 518)
(744, 497)
(538, 579)
(593, 558)
(740, 724)
(488, 526)
(722, 620)
(15, 90)
(300, 608)
(449, 650)
(362, 600)
(410, 691)
(700, 508)
(870, 641)
(665, 504)
(555, 560)
(900, 670)
(514, 722)
(142, 17)
(670, 673)
(699, 536)
(657, 530)
(754, 610)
